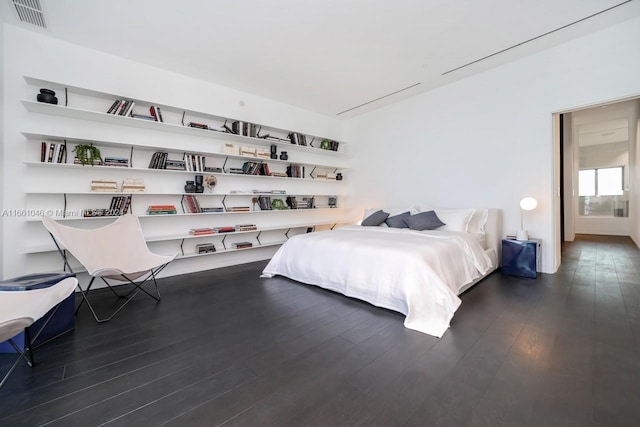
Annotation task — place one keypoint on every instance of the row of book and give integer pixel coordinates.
(124, 107)
(221, 230)
(161, 210)
(119, 206)
(298, 138)
(305, 203)
(191, 204)
(53, 152)
(295, 171)
(256, 168)
(264, 202)
(121, 107)
(116, 161)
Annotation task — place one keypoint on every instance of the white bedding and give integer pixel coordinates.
(417, 273)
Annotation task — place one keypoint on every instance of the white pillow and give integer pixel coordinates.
(455, 219)
(478, 221)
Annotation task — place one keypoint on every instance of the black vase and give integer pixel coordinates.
(284, 155)
(48, 96)
(190, 187)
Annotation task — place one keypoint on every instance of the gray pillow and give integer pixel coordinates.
(425, 221)
(375, 218)
(399, 221)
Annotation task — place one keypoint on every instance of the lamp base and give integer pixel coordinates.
(522, 235)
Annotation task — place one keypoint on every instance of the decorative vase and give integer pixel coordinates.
(48, 96)
(199, 185)
(284, 155)
(339, 176)
(190, 187)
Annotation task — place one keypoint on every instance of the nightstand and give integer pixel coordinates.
(521, 257)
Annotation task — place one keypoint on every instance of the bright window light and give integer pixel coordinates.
(610, 181)
(587, 182)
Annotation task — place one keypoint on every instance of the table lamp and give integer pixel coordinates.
(526, 204)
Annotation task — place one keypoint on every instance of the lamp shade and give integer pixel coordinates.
(528, 204)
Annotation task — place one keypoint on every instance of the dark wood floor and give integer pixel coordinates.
(226, 347)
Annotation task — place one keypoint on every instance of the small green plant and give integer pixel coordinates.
(88, 154)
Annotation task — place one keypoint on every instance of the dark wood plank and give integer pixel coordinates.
(228, 347)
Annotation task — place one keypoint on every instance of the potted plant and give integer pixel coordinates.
(88, 154)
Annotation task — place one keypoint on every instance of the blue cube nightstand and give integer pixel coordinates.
(521, 257)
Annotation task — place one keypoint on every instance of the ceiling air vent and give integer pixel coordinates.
(30, 11)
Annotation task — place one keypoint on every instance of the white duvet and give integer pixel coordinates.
(417, 273)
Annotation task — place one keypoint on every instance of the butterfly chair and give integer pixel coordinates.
(117, 251)
(19, 309)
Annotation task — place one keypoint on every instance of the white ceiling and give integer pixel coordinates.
(326, 56)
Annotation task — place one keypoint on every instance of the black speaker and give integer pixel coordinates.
(48, 96)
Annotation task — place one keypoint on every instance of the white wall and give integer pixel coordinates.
(488, 140)
(32, 54)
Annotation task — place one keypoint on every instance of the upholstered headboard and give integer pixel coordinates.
(493, 230)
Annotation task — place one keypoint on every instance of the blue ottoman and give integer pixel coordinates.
(63, 320)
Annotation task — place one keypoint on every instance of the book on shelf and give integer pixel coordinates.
(246, 227)
(265, 203)
(279, 174)
(201, 231)
(237, 171)
(119, 205)
(116, 161)
(230, 149)
(53, 152)
(211, 210)
(244, 128)
(133, 185)
(224, 229)
(128, 109)
(205, 248)
(143, 117)
(115, 105)
(247, 151)
(177, 165)
(242, 245)
(155, 113)
(191, 204)
(105, 185)
(194, 162)
(295, 171)
(212, 169)
(161, 209)
(239, 209)
(298, 138)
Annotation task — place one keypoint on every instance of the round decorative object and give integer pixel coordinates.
(48, 96)
(210, 181)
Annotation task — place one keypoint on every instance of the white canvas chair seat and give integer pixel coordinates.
(20, 309)
(116, 251)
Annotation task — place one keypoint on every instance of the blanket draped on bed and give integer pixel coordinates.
(417, 273)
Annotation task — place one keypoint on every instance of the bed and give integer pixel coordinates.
(419, 273)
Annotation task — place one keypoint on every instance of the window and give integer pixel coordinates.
(600, 182)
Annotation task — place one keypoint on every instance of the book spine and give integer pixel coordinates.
(113, 106)
(43, 151)
(52, 149)
(159, 114)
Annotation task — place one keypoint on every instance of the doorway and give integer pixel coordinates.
(598, 159)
